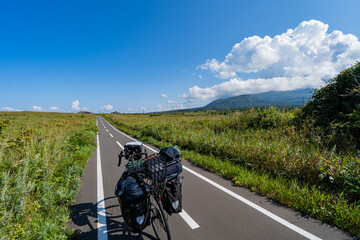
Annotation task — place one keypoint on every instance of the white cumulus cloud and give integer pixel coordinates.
(37, 108)
(107, 107)
(164, 95)
(55, 108)
(171, 101)
(75, 105)
(306, 56)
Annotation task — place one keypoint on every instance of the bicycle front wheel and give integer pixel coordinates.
(159, 219)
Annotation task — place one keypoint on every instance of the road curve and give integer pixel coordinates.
(214, 207)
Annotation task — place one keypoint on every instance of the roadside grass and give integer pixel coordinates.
(261, 150)
(42, 159)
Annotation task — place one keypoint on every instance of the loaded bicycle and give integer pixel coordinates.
(149, 189)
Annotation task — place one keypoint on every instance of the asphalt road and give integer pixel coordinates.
(213, 207)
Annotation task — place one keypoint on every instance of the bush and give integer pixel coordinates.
(335, 108)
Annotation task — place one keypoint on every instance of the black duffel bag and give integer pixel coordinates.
(129, 187)
(171, 155)
(172, 198)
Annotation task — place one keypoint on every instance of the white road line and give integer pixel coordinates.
(101, 214)
(128, 135)
(151, 148)
(189, 220)
(107, 130)
(120, 131)
(111, 135)
(256, 207)
(121, 146)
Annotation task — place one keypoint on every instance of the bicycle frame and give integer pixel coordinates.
(158, 218)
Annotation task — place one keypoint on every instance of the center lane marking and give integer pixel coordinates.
(111, 135)
(121, 146)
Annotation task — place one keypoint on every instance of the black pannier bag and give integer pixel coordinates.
(135, 214)
(132, 197)
(172, 198)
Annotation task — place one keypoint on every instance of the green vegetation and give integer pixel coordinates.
(262, 150)
(42, 157)
(335, 108)
(306, 158)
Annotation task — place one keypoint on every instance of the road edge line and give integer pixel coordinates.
(101, 213)
(256, 207)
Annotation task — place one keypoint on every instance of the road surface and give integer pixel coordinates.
(213, 207)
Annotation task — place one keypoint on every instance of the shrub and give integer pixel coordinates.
(335, 108)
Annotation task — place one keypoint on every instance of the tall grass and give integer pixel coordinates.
(42, 157)
(265, 141)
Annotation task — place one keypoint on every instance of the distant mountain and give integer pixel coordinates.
(272, 98)
(242, 101)
(84, 112)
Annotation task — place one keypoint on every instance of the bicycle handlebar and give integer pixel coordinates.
(130, 156)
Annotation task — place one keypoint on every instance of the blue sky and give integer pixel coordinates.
(135, 56)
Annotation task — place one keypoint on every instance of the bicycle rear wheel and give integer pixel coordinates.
(159, 219)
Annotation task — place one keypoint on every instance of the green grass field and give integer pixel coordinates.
(42, 159)
(43, 156)
(264, 151)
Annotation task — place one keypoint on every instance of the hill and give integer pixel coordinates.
(272, 98)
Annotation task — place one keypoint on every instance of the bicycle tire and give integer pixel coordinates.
(159, 220)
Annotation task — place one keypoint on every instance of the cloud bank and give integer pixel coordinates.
(10, 109)
(306, 56)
